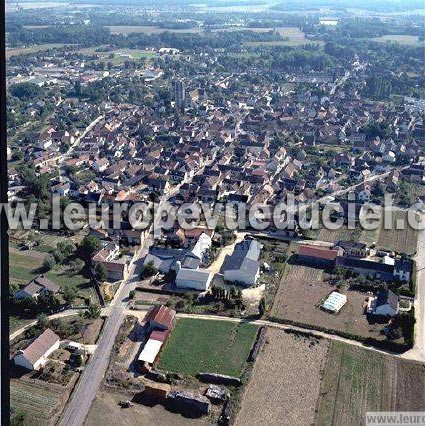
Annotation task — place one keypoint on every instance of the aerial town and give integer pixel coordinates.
(115, 106)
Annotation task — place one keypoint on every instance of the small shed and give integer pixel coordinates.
(334, 302)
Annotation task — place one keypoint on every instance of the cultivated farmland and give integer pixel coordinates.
(357, 380)
(343, 233)
(105, 406)
(196, 346)
(287, 371)
(39, 402)
(401, 240)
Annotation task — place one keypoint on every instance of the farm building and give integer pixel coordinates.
(160, 318)
(352, 248)
(322, 256)
(160, 321)
(334, 302)
(194, 279)
(386, 270)
(243, 266)
(150, 351)
(402, 269)
(34, 355)
(38, 286)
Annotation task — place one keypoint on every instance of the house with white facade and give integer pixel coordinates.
(35, 355)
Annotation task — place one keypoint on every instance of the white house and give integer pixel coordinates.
(34, 356)
(402, 269)
(385, 304)
(242, 266)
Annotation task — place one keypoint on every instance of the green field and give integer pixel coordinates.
(208, 346)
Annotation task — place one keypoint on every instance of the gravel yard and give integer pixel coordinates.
(285, 382)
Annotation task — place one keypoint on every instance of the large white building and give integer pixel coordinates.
(243, 266)
(193, 279)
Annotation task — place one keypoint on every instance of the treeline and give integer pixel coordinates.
(85, 36)
(94, 36)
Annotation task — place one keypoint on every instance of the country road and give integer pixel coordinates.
(418, 351)
(86, 388)
(91, 379)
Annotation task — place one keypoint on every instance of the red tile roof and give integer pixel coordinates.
(160, 335)
(161, 315)
(321, 253)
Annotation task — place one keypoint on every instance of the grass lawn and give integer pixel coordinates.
(24, 266)
(197, 346)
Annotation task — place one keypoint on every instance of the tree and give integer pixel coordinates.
(49, 262)
(42, 321)
(75, 266)
(78, 360)
(149, 270)
(69, 293)
(26, 91)
(93, 311)
(58, 255)
(100, 272)
(66, 247)
(88, 247)
(262, 307)
(132, 294)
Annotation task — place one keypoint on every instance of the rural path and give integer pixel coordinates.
(67, 313)
(319, 334)
(418, 350)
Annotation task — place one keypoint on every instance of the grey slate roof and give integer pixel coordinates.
(244, 257)
(387, 297)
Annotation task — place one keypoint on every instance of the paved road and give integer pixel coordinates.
(418, 351)
(91, 379)
(85, 391)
